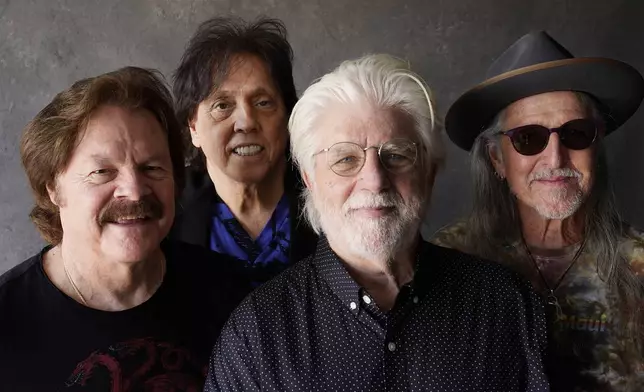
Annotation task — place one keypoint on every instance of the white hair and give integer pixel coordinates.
(378, 79)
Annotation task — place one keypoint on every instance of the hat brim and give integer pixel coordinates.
(617, 86)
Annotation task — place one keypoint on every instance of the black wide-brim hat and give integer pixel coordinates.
(537, 64)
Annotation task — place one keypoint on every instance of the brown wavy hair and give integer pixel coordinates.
(49, 140)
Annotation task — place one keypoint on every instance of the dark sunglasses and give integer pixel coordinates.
(532, 139)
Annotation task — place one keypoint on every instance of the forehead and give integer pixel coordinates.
(364, 124)
(116, 131)
(549, 109)
(246, 72)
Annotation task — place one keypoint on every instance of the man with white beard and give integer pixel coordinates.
(376, 308)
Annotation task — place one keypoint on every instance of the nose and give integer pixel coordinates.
(132, 185)
(245, 119)
(373, 177)
(555, 153)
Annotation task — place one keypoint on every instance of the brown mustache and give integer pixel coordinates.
(149, 207)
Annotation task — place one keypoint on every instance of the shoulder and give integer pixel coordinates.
(467, 270)
(280, 293)
(190, 257)
(450, 236)
(197, 183)
(200, 264)
(632, 247)
(191, 221)
(21, 276)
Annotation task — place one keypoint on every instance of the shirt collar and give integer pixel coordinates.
(331, 269)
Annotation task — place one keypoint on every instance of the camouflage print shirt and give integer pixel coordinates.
(586, 353)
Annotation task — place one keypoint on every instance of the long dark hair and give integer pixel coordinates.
(206, 62)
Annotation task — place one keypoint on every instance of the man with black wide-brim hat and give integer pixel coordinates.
(543, 204)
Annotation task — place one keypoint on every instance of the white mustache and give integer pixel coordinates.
(370, 200)
(546, 174)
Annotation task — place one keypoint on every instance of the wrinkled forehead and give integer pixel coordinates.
(548, 109)
(114, 132)
(364, 124)
(242, 74)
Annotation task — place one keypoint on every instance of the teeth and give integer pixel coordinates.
(252, 149)
(130, 218)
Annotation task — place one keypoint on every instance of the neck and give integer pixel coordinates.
(250, 198)
(382, 278)
(103, 284)
(539, 232)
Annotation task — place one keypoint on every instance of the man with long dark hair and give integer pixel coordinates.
(543, 204)
(234, 91)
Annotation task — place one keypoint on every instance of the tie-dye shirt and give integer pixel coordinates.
(586, 352)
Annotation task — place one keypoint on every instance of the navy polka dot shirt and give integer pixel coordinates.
(462, 324)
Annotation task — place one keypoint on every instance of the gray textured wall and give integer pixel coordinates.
(45, 45)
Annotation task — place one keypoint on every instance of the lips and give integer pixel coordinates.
(556, 179)
(247, 150)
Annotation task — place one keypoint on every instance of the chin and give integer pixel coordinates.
(558, 211)
(131, 248)
(249, 175)
(131, 254)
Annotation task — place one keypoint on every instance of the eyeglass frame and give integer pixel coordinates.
(364, 153)
(510, 133)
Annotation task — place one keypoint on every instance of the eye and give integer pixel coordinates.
(101, 176)
(155, 172)
(265, 103)
(394, 157)
(100, 172)
(221, 105)
(346, 160)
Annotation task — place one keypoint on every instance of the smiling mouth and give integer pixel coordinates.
(554, 180)
(248, 150)
(131, 220)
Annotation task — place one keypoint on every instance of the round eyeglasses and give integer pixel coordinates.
(532, 139)
(346, 159)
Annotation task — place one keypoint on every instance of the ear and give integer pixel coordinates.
(307, 180)
(53, 194)
(194, 136)
(496, 157)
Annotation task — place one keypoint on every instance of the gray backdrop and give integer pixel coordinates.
(45, 45)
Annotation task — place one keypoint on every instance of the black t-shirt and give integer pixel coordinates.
(49, 342)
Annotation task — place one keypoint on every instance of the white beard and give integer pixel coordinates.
(371, 238)
(560, 204)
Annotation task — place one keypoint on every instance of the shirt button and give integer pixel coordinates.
(366, 299)
(391, 346)
(353, 306)
(415, 299)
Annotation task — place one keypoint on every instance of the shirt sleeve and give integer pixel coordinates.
(233, 365)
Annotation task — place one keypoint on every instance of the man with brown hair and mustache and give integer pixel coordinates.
(109, 304)
(543, 204)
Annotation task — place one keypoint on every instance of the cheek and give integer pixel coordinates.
(275, 133)
(213, 137)
(517, 170)
(408, 186)
(165, 192)
(583, 161)
(331, 187)
(85, 205)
